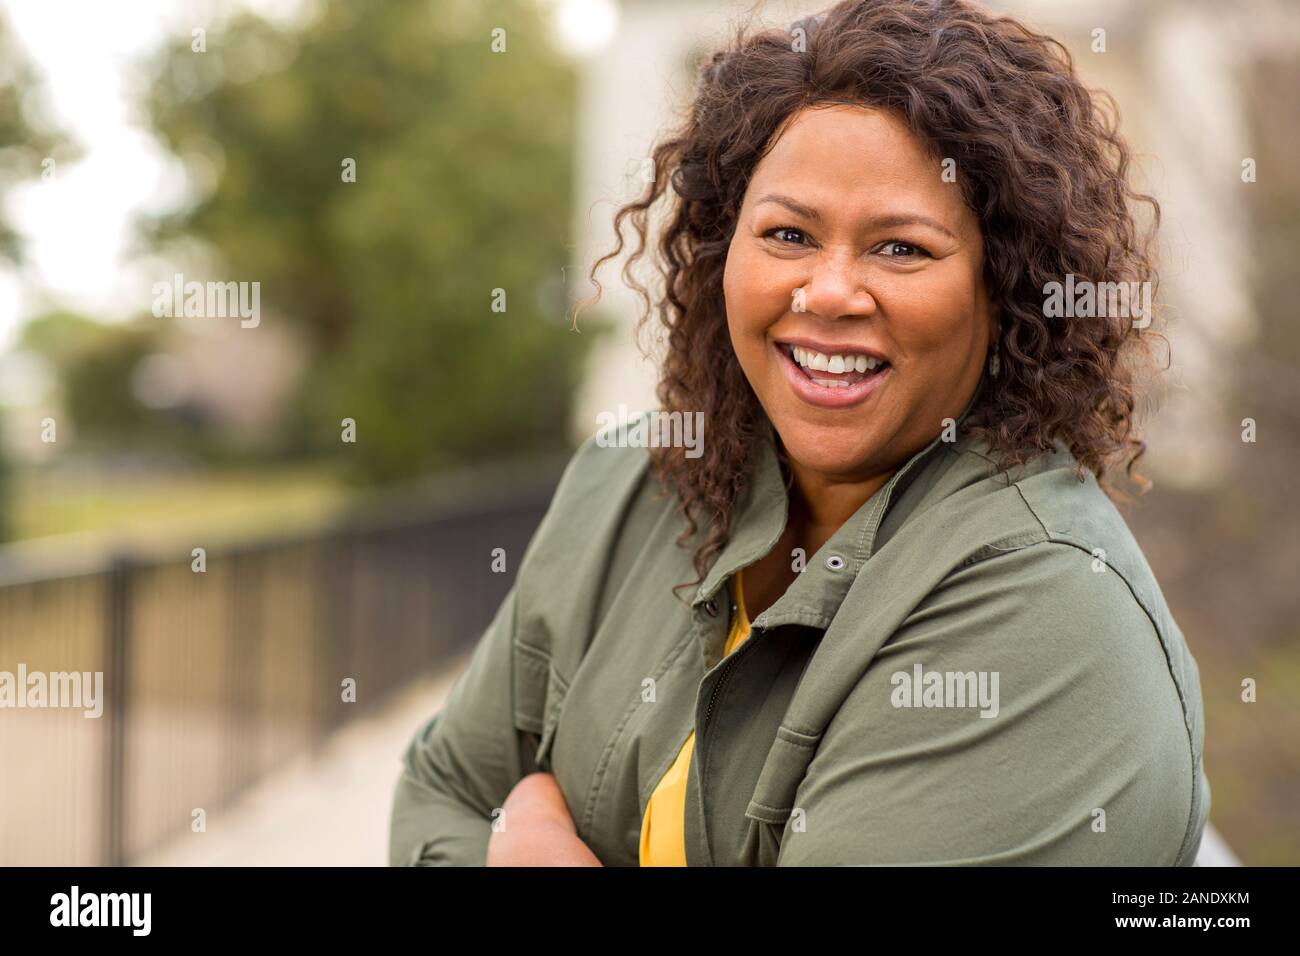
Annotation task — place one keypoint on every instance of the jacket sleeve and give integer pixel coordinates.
(1085, 756)
(463, 762)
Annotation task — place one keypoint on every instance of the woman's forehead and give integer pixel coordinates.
(848, 161)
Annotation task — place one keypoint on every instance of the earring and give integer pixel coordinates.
(995, 362)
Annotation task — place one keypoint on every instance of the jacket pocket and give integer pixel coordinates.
(539, 695)
(783, 771)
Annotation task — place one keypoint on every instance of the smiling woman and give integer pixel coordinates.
(945, 646)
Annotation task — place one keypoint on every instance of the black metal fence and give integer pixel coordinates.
(211, 678)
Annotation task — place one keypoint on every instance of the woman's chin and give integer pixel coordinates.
(829, 452)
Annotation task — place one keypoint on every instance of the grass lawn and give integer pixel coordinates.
(233, 501)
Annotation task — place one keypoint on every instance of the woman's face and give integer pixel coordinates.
(854, 292)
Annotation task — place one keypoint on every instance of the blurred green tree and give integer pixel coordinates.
(5, 530)
(27, 136)
(462, 154)
(30, 145)
(95, 364)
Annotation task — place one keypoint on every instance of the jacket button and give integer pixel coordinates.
(711, 608)
(835, 562)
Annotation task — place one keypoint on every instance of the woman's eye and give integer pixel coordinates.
(901, 250)
(784, 229)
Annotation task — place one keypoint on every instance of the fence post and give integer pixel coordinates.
(116, 634)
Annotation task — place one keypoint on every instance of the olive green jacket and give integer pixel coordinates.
(977, 668)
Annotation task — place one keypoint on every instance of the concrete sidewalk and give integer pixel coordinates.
(330, 811)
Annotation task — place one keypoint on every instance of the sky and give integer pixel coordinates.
(75, 223)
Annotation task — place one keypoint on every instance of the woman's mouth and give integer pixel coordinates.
(831, 379)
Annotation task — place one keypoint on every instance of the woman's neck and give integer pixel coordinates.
(820, 504)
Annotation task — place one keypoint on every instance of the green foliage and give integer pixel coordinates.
(59, 336)
(463, 170)
(95, 364)
(6, 495)
(25, 143)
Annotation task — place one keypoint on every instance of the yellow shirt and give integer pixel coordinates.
(663, 841)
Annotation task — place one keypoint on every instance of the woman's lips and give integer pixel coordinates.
(861, 385)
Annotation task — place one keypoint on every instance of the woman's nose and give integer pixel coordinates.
(836, 287)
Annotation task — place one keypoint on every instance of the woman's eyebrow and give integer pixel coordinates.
(884, 221)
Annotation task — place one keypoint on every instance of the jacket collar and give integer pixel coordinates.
(763, 511)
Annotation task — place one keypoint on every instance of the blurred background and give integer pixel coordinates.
(278, 528)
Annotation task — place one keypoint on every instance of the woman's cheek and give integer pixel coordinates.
(931, 330)
(756, 298)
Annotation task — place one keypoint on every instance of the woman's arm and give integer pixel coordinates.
(536, 828)
(463, 763)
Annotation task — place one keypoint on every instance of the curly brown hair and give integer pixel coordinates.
(1039, 160)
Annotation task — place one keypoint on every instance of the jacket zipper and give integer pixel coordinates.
(702, 736)
(725, 673)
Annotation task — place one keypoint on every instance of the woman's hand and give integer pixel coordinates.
(537, 828)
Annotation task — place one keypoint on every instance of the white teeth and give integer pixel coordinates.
(836, 364)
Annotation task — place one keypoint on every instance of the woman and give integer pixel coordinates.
(917, 629)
